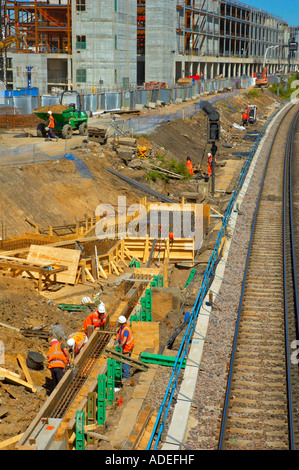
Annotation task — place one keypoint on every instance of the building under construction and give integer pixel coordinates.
(103, 44)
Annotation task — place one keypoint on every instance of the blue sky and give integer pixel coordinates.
(287, 9)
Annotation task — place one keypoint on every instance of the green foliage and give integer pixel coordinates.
(285, 88)
(179, 168)
(253, 93)
(153, 175)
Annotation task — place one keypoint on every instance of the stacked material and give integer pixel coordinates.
(55, 108)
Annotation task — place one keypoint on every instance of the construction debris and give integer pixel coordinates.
(98, 134)
(14, 378)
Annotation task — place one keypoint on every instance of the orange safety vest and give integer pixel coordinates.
(56, 357)
(210, 168)
(51, 122)
(244, 116)
(103, 320)
(130, 340)
(79, 338)
(93, 319)
(190, 167)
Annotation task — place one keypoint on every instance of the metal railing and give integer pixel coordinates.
(207, 280)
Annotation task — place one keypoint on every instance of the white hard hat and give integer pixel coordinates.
(49, 112)
(209, 154)
(122, 319)
(54, 341)
(71, 342)
(101, 308)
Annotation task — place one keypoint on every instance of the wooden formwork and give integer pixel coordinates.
(104, 256)
(24, 241)
(97, 266)
(178, 250)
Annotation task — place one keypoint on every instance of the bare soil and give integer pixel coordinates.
(55, 108)
(54, 193)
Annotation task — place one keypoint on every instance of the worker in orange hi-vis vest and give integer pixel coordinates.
(96, 319)
(125, 339)
(189, 166)
(245, 119)
(50, 127)
(76, 341)
(58, 358)
(210, 167)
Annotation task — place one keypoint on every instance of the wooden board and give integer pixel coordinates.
(146, 336)
(11, 377)
(10, 441)
(57, 256)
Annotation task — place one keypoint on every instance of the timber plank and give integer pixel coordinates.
(57, 256)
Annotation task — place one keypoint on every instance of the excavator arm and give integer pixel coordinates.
(7, 42)
(4, 43)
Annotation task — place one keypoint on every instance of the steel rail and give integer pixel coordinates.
(288, 210)
(291, 211)
(225, 410)
(207, 280)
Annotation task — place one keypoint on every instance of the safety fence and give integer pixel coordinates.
(150, 122)
(208, 278)
(102, 100)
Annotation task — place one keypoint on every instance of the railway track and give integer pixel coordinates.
(261, 402)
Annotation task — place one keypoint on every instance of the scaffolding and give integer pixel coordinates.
(226, 28)
(40, 26)
(2, 38)
(141, 27)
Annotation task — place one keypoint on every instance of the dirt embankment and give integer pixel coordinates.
(54, 192)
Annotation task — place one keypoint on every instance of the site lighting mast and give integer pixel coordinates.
(267, 49)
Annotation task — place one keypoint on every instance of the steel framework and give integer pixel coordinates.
(45, 26)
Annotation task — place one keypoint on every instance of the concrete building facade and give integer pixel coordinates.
(108, 44)
(104, 43)
(222, 37)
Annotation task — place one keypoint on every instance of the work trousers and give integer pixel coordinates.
(126, 369)
(57, 374)
(51, 133)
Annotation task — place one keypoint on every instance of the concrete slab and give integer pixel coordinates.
(43, 435)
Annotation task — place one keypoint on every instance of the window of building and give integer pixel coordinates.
(81, 75)
(80, 5)
(80, 42)
(9, 76)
